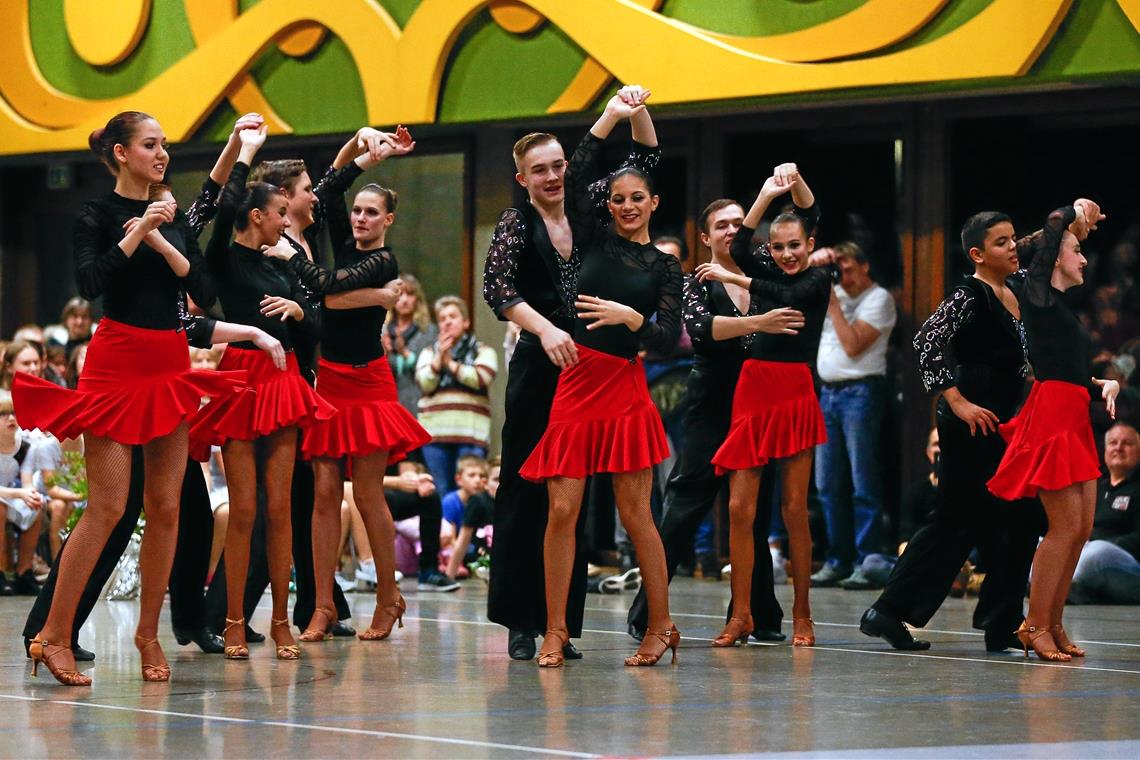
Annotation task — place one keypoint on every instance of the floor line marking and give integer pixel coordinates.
(309, 727)
(705, 616)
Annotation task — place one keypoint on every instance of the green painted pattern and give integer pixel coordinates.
(758, 17)
(166, 40)
(493, 74)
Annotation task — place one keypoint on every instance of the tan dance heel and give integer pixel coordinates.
(555, 659)
(803, 639)
(1063, 643)
(737, 630)
(39, 652)
(151, 672)
(671, 637)
(284, 651)
(235, 651)
(314, 632)
(1028, 635)
(396, 614)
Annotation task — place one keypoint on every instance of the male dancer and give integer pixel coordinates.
(531, 279)
(721, 320)
(971, 350)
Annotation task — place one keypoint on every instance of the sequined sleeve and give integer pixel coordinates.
(933, 342)
(499, 272)
(697, 314)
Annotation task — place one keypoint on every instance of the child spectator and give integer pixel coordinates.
(76, 324)
(55, 365)
(20, 356)
(467, 511)
(454, 376)
(19, 501)
(45, 461)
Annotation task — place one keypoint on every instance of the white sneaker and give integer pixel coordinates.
(726, 572)
(779, 567)
(344, 583)
(399, 575)
(366, 571)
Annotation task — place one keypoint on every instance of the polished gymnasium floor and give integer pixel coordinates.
(443, 687)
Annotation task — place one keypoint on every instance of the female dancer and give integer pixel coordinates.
(254, 291)
(1051, 450)
(602, 419)
(370, 427)
(775, 414)
(136, 388)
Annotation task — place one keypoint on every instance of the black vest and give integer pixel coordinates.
(537, 279)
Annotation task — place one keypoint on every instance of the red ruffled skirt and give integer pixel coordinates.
(602, 420)
(273, 399)
(775, 414)
(368, 415)
(136, 386)
(1051, 443)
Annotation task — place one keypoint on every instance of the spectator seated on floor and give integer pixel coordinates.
(1108, 571)
(466, 512)
(20, 502)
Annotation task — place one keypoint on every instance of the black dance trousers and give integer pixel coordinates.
(967, 515)
(191, 555)
(690, 493)
(516, 598)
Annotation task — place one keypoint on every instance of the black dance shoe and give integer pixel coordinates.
(79, 653)
(570, 652)
(520, 645)
(341, 629)
(635, 633)
(879, 625)
(208, 642)
(26, 584)
(760, 634)
(5, 586)
(253, 637)
(999, 641)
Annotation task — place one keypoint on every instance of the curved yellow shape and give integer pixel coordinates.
(671, 57)
(515, 17)
(872, 26)
(102, 33)
(1131, 9)
(207, 18)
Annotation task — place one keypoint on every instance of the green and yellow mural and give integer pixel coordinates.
(320, 66)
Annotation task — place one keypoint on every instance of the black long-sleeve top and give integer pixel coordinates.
(1059, 346)
(974, 343)
(523, 265)
(245, 276)
(1117, 517)
(809, 291)
(350, 336)
(613, 268)
(141, 289)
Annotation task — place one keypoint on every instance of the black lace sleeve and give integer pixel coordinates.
(204, 207)
(936, 362)
(332, 187)
(663, 333)
(697, 314)
(501, 267)
(584, 167)
(331, 204)
(369, 272)
(95, 262)
(1046, 247)
(217, 248)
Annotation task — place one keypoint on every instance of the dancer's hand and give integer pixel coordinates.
(559, 347)
(786, 175)
(1108, 391)
(282, 250)
(977, 417)
(774, 187)
(248, 121)
(601, 313)
(278, 306)
(623, 106)
(1088, 217)
(715, 272)
(821, 257)
(271, 346)
(782, 321)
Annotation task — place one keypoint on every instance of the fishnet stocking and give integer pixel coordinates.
(108, 479)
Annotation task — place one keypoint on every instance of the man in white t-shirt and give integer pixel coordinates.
(852, 365)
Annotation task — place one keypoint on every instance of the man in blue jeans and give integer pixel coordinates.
(1108, 571)
(852, 365)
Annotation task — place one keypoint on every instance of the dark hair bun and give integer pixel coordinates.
(95, 140)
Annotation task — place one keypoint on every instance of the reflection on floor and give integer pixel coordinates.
(443, 687)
